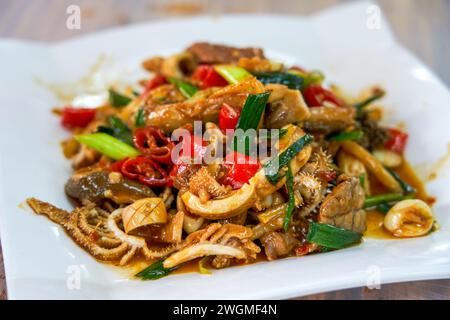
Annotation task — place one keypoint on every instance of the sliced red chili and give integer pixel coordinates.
(228, 117)
(146, 171)
(240, 169)
(117, 165)
(151, 141)
(327, 175)
(208, 77)
(397, 140)
(77, 117)
(154, 83)
(316, 95)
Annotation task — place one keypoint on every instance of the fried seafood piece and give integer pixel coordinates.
(208, 53)
(226, 242)
(277, 244)
(311, 182)
(342, 208)
(285, 106)
(253, 193)
(94, 186)
(169, 117)
(100, 234)
(206, 186)
(329, 119)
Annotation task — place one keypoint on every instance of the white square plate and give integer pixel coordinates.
(340, 42)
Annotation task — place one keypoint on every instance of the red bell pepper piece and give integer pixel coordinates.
(152, 142)
(194, 147)
(397, 140)
(228, 117)
(208, 77)
(77, 117)
(240, 169)
(154, 83)
(316, 95)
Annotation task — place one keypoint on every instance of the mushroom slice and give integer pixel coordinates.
(202, 250)
(142, 213)
(236, 203)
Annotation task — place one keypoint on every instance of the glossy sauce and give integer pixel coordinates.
(374, 221)
(375, 218)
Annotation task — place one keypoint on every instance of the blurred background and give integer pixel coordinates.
(423, 26)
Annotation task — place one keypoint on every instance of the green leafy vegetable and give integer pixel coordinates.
(331, 237)
(187, 89)
(383, 207)
(291, 203)
(373, 201)
(232, 74)
(107, 145)
(118, 129)
(273, 168)
(292, 81)
(155, 271)
(313, 78)
(405, 186)
(362, 179)
(118, 100)
(140, 118)
(249, 119)
(252, 111)
(201, 266)
(377, 95)
(348, 135)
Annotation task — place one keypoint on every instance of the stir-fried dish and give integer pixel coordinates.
(224, 157)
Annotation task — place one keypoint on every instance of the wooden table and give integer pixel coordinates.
(422, 26)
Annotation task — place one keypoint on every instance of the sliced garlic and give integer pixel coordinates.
(409, 218)
(388, 158)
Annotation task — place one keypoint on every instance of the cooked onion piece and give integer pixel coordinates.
(388, 158)
(372, 164)
(202, 250)
(354, 167)
(236, 203)
(409, 218)
(142, 213)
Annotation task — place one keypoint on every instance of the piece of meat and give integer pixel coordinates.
(286, 106)
(277, 244)
(374, 135)
(342, 208)
(98, 185)
(329, 119)
(205, 185)
(169, 117)
(209, 53)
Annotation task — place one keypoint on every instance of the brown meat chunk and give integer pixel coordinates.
(278, 244)
(329, 119)
(209, 53)
(98, 185)
(286, 106)
(342, 208)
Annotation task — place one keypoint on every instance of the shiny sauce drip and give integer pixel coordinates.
(375, 218)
